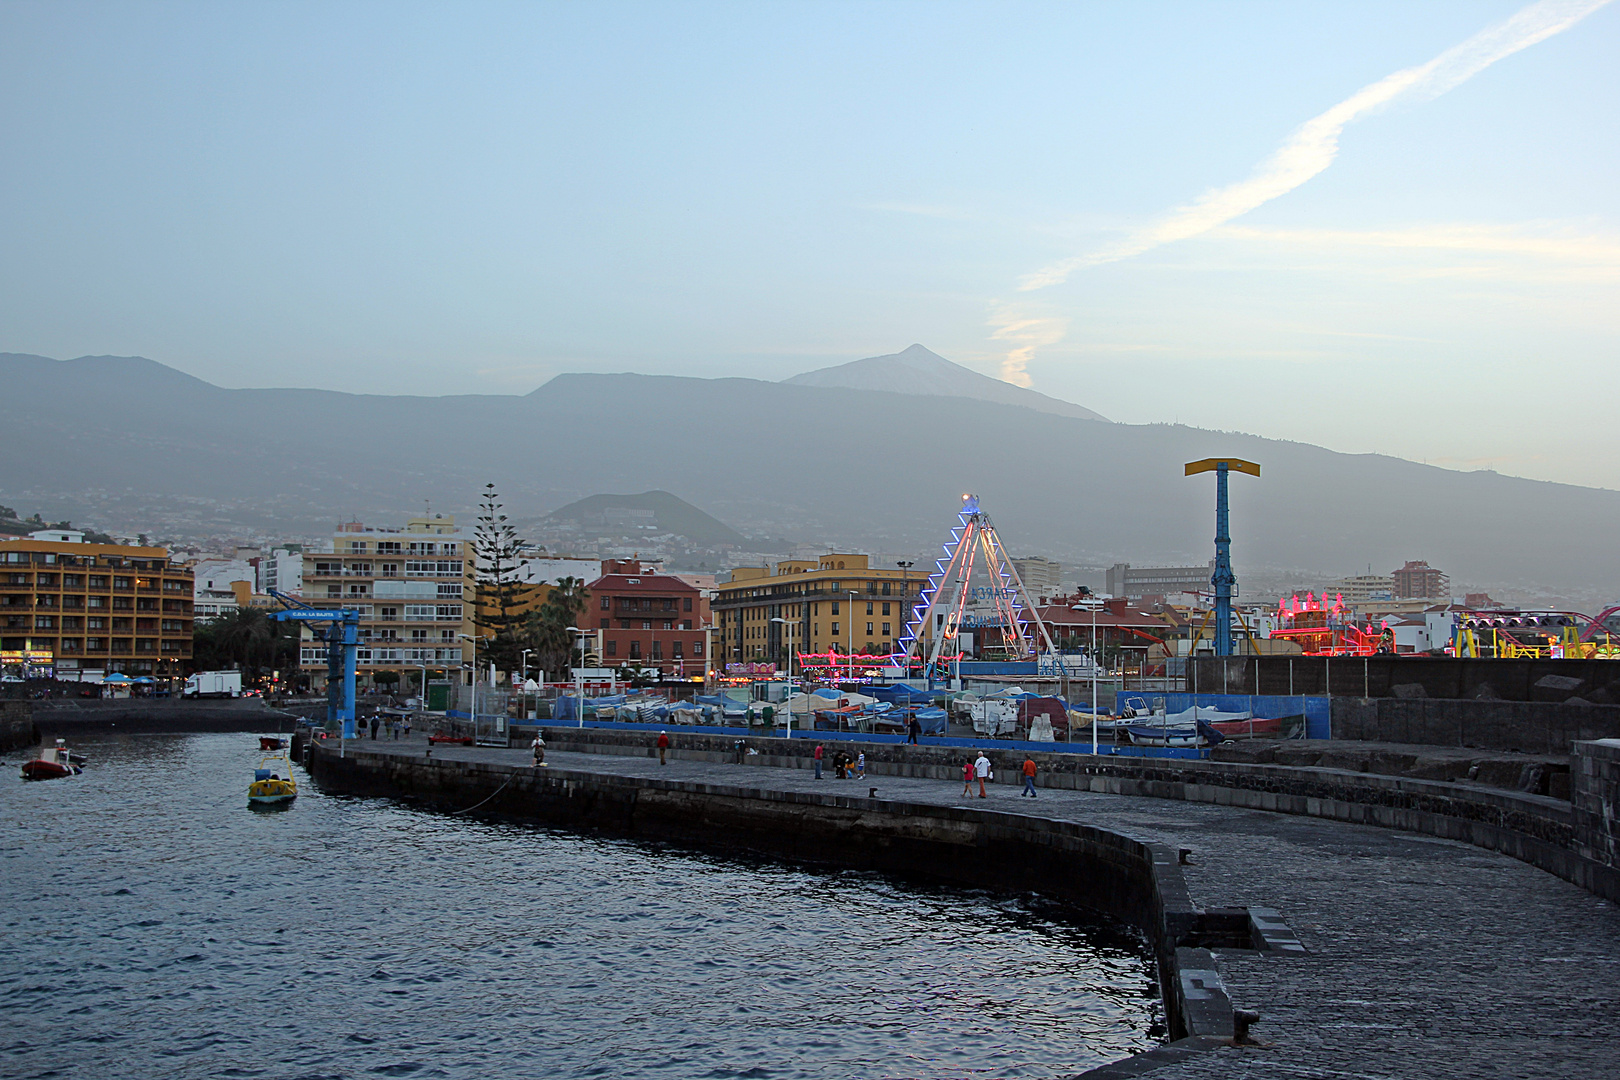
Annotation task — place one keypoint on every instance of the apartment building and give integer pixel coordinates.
(646, 618)
(283, 570)
(1136, 583)
(1419, 580)
(1041, 576)
(838, 602)
(80, 611)
(410, 586)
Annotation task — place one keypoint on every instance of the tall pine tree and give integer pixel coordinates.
(497, 592)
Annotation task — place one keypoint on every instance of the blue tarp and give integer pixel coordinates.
(900, 694)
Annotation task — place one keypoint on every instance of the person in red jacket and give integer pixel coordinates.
(1029, 779)
(663, 746)
(817, 756)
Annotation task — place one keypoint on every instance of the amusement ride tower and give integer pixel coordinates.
(975, 596)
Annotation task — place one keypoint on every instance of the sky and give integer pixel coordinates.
(1376, 227)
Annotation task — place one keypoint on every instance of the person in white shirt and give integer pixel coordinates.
(981, 769)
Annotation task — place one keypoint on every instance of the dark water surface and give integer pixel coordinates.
(152, 926)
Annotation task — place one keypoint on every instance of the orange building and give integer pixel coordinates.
(74, 609)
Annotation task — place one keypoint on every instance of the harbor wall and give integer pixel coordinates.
(144, 716)
(1536, 829)
(17, 730)
(1546, 681)
(1595, 799)
(1137, 882)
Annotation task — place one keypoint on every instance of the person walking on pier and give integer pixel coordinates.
(373, 725)
(539, 745)
(981, 769)
(860, 765)
(913, 729)
(817, 757)
(1029, 779)
(663, 746)
(967, 776)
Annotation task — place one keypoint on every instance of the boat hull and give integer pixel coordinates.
(271, 792)
(47, 770)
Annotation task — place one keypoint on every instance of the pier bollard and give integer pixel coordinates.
(1241, 1019)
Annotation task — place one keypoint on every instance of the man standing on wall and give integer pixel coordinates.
(663, 746)
(817, 756)
(981, 770)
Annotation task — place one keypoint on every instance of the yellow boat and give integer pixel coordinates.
(273, 784)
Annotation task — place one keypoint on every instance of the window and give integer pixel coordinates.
(421, 612)
(868, 629)
(869, 607)
(449, 611)
(389, 547)
(675, 651)
(604, 623)
(606, 603)
(686, 624)
(686, 604)
(98, 581)
(388, 569)
(668, 625)
(835, 611)
(885, 588)
(612, 647)
(635, 650)
(72, 581)
(419, 635)
(388, 613)
(449, 588)
(697, 647)
(646, 624)
(885, 607)
(96, 623)
(832, 586)
(835, 628)
(44, 622)
(669, 605)
(885, 629)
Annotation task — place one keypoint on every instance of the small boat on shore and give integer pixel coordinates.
(53, 763)
(272, 742)
(270, 787)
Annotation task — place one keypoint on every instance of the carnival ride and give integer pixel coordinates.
(973, 605)
(1323, 628)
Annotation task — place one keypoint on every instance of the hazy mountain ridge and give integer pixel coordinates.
(919, 371)
(877, 469)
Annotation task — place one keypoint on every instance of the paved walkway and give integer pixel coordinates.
(1427, 958)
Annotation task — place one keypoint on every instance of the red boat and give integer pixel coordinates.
(270, 742)
(53, 763)
(458, 740)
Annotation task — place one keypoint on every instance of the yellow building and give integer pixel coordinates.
(837, 603)
(411, 588)
(76, 610)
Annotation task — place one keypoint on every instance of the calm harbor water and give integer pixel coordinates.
(153, 926)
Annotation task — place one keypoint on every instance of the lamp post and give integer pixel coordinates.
(849, 635)
(787, 698)
(473, 705)
(1091, 604)
(905, 566)
(524, 685)
(579, 674)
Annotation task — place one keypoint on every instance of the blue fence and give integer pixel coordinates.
(1312, 715)
(1077, 747)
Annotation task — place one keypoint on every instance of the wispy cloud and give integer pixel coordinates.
(1026, 331)
(1314, 145)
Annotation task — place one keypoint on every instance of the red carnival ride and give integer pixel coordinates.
(1323, 629)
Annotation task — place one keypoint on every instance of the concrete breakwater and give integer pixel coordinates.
(69, 718)
(1535, 829)
(1139, 883)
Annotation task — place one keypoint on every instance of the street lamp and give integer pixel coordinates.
(579, 673)
(787, 698)
(473, 708)
(849, 635)
(1091, 604)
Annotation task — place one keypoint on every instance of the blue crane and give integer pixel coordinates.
(342, 638)
(1223, 579)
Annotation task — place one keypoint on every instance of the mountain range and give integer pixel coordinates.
(100, 437)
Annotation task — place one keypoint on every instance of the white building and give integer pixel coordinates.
(550, 569)
(211, 592)
(282, 570)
